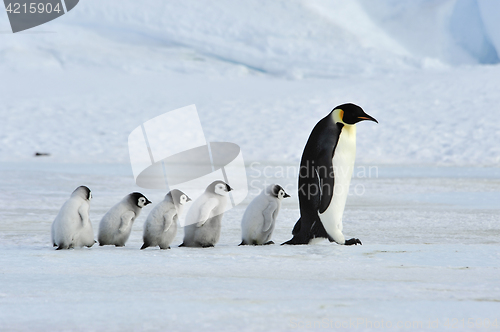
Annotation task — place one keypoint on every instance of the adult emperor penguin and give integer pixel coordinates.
(160, 227)
(116, 225)
(72, 227)
(259, 218)
(204, 218)
(325, 173)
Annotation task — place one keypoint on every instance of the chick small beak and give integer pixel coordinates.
(228, 188)
(188, 199)
(148, 202)
(286, 195)
(367, 117)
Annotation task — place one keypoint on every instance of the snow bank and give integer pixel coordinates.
(76, 87)
(294, 38)
(453, 31)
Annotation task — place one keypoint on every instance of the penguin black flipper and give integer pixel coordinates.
(296, 228)
(326, 180)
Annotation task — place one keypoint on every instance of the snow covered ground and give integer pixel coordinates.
(430, 252)
(425, 190)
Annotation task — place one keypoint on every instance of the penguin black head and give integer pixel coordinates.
(219, 187)
(139, 199)
(84, 192)
(278, 192)
(179, 197)
(350, 114)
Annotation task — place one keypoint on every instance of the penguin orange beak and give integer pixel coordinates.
(367, 117)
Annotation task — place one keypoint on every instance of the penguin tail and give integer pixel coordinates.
(296, 240)
(144, 246)
(302, 236)
(298, 237)
(243, 243)
(296, 228)
(318, 230)
(182, 244)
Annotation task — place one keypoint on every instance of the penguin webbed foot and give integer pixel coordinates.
(353, 241)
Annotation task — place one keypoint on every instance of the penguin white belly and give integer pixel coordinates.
(343, 166)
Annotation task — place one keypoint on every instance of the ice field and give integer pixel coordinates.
(430, 252)
(424, 197)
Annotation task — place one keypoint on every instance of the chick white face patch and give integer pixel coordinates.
(141, 202)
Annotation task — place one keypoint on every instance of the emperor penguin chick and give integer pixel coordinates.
(205, 215)
(72, 227)
(116, 225)
(259, 219)
(160, 227)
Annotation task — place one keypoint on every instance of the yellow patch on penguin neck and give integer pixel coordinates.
(338, 115)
